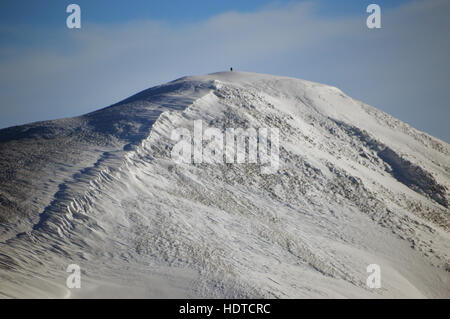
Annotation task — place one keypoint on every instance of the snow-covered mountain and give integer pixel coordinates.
(354, 187)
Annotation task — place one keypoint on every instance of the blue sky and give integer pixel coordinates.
(48, 12)
(48, 71)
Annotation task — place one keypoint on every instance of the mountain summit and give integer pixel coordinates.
(354, 187)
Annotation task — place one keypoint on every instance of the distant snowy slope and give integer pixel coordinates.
(355, 187)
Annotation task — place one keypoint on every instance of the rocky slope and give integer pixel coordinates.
(355, 187)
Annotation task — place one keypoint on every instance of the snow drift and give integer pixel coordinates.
(355, 187)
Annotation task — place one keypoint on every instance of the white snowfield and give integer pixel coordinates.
(355, 187)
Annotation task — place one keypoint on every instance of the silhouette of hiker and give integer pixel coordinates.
(231, 69)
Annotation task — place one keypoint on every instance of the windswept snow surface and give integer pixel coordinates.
(355, 187)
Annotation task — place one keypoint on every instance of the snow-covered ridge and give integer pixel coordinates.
(355, 187)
